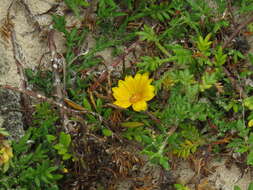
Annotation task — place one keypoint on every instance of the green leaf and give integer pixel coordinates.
(59, 146)
(250, 158)
(107, 132)
(65, 139)
(132, 124)
(203, 45)
(208, 80)
(37, 181)
(237, 188)
(250, 186)
(180, 187)
(4, 132)
(59, 23)
(75, 4)
(220, 58)
(150, 64)
(250, 58)
(62, 151)
(99, 104)
(182, 55)
(148, 34)
(164, 162)
(86, 104)
(248, 102)
(66, 156)
(50, 138)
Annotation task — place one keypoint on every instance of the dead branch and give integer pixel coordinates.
(57, 65)
(237, 31)
(43, 98)
(234, 83)
(230, 9)
(237, 87)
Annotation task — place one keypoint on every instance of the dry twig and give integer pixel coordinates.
(237, 31)
(237, 87)
(57, 66)
(43, 98)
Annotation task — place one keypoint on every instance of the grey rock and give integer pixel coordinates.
(4, 66)
(10, 113)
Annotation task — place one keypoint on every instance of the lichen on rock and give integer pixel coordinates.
(10, 113)
(4, 66)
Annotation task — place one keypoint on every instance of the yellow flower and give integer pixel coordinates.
(134, 91)
(5, 153)
(65, 170)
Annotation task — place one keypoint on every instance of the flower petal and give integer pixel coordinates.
(121, 93)
(149, 93)
(140, 106)
(130, 83)
(123, 104)
(135, 91)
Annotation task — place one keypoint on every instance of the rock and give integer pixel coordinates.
(10, 113)
(4, 66)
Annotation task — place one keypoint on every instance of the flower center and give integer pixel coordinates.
(135, 98)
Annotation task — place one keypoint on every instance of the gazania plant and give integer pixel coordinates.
(134, 91)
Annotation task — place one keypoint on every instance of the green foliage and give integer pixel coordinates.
(180, 187)
(244, 143)
(148, 34)
(107, 132)
(186, 148)
(151, 63)
(41, 80)
(220, 58)
(73, 37)
(181, 56)
(137, 133)
(186, 60)
(203, 45)
(248, 102)
(244, 6)
(4, 132)
(63, 145)
(107, 9)
(250, 187)
(75, 5)
(33, 165)
(190, 140)
(194, 79)
(156, 148)
(159, 12)
(208, 80)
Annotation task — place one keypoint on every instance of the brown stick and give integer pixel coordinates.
(43, 98)
(237, 87)
(236, 32)
(230, 9)
(57, 65)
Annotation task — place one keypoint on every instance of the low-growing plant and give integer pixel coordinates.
(34, 163)
(187, 87)
(250, 187)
